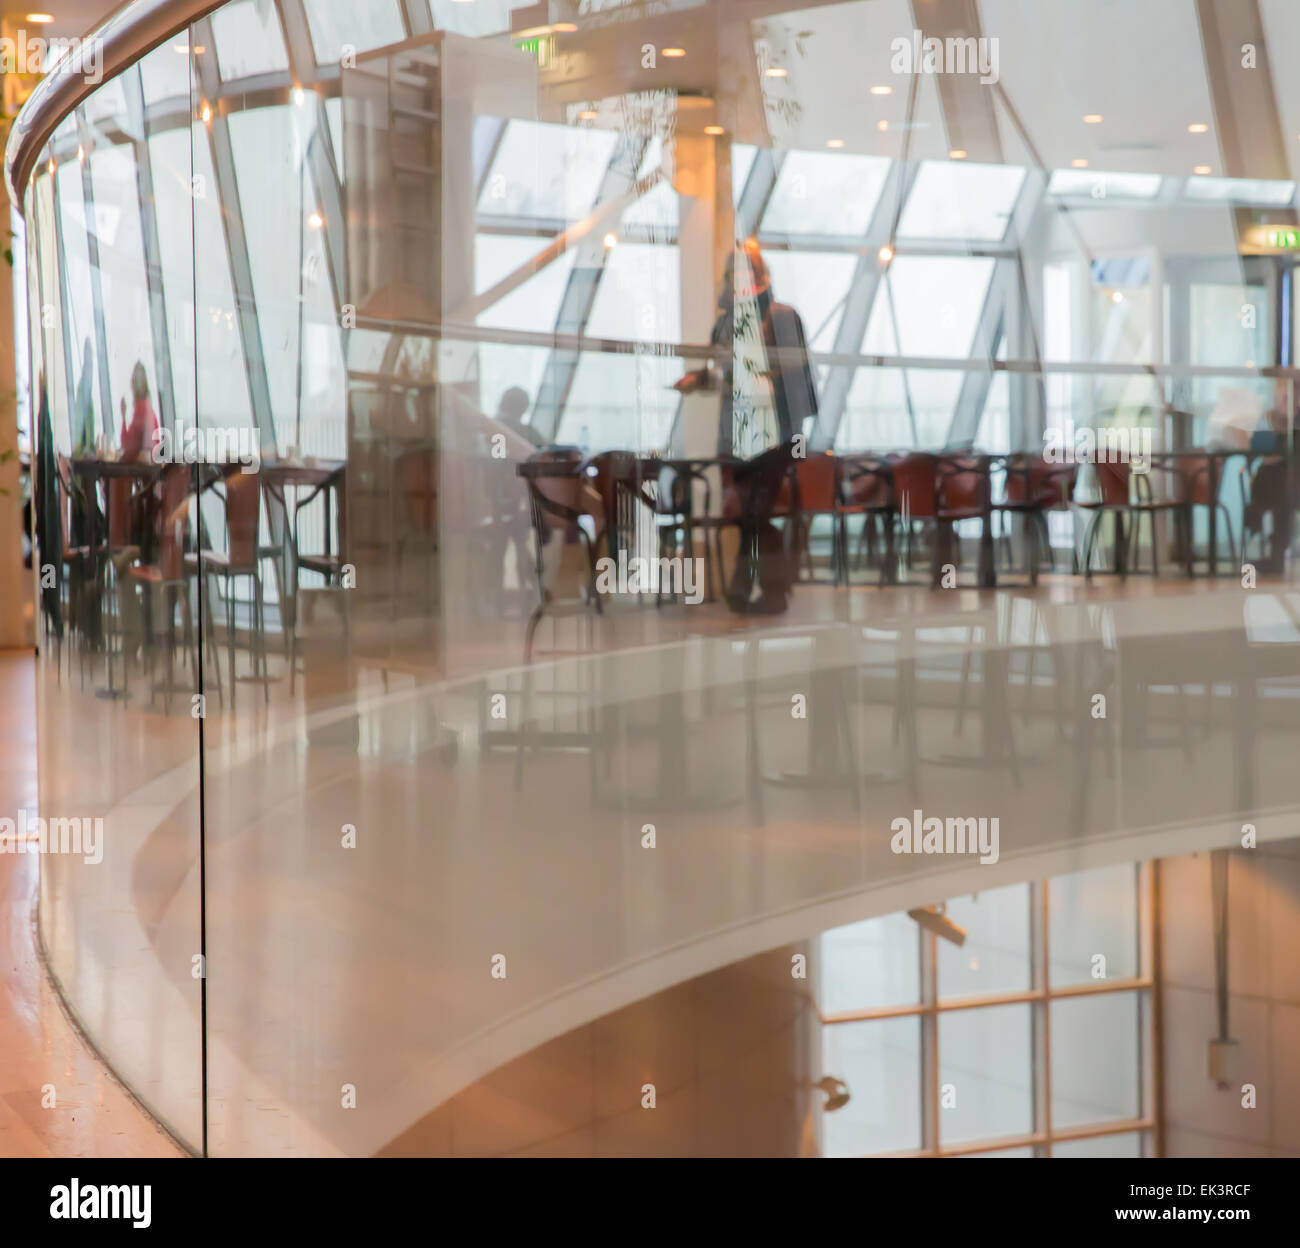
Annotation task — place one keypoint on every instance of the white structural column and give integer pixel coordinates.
(702, 179)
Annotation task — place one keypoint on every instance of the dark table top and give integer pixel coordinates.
(93, 466)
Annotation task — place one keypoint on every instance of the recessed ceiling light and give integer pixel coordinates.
(885, 254)
(564, 28)
(1117, 296)
(39, 19)
(882, 90)
(674, 51)
(610, 241)
(714, 130)
(882, 125)
(834, 142)
(1197, 127)
(957, 154)
(1079, 164)
(316, 221)
(775, 71)
(1092, 119)
(1201, 169)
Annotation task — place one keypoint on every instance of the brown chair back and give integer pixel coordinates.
(914, 483)
(1032, 482)
(963, 486)
(1194, 473)
(243, 517)
(1113, 480)
(817, 477)
(868, 483)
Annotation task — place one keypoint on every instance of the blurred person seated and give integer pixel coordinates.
(510, 412)
(138, 438)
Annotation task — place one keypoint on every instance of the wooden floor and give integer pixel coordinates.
(57, 1098)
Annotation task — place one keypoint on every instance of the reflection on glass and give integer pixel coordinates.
(339, 24)
(546, 171)
(929, 306)
(823, 193)
(420, 284)
(950, 200)
(248, 40)
(123, 286)
(1098, 184)
(1240, 190)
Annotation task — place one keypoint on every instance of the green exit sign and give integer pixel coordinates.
(1286, 240)
(541, 49)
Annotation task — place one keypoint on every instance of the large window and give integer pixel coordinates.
(1032, 1038)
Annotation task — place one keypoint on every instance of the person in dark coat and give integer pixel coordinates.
(763, 562)
(785, 344)
(1270, 485)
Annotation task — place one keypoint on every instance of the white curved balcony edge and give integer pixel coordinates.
(125, 36)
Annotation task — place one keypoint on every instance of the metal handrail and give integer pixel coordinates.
(124, 37)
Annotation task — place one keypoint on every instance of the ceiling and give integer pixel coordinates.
(71, 17)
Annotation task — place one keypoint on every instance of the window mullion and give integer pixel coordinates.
(1041, 1014)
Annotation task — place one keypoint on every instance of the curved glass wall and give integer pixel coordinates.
(434, 309)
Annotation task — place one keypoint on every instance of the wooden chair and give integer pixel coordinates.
(678, 517)
(941, 490)
(1124, 501)
(1032, 488)
(241, 560)
(561, 497)
(1194, 473)
(867, 488)
(169, 576)
(815, 485)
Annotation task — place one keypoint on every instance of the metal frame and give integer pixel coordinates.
(1148, 1122)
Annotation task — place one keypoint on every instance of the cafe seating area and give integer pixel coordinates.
(845, 522)
(560, 483)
